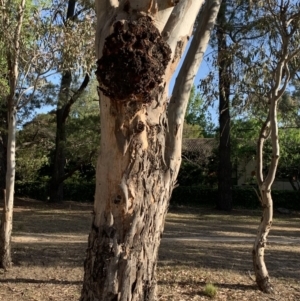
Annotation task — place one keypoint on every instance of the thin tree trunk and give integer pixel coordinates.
(269, 129)
(135, 178)
(11, 104)
(7, 216)
(3, 147)
(59, 157)
(224, 201)
(260, 269)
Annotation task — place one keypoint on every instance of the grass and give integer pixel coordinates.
(210, 290)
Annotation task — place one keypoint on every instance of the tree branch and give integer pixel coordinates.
(185, 79)
(181, 22)
(75, 97)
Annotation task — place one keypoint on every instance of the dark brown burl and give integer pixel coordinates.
(133, 63)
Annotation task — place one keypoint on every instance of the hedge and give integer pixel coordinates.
(78, 192)
(182, 195)
(241, 197)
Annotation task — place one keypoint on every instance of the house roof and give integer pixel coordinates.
(204, 146)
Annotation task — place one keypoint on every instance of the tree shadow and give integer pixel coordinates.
(280, 259)
(39, 281)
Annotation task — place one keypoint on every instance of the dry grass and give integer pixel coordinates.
(199, 247)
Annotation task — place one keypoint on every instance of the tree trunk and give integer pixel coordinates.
(12, 57)
(260, 269)
(7, 216)
(224, 201)
(3, 148)
(140, 151)
(269, 129)
(59, 160)
(130, 207)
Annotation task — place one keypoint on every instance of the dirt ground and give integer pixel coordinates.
(199, 246)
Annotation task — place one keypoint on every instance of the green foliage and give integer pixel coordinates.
(36, 142)
(192, 131)
(197, 119)
(210, 290)
(244, 138)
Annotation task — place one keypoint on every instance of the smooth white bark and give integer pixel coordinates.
(281, 78)
(12, 102)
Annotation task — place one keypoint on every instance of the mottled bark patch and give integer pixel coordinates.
(134, 61)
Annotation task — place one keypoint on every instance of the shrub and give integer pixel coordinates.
(244, 197)
(183, 195)
(210, 290)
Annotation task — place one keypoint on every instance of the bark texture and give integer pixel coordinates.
(140, 148)
(224, 201)
(127, 226)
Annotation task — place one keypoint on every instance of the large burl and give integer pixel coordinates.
(134, 60)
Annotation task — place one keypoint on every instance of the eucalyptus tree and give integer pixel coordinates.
(263, 39)
(3, 117)
(232, 28)
(266, 66)
(26, 67)
(36, 141)
(30, 50)
(138, 46)
(77, 20)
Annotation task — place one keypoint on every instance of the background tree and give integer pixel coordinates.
(233, 28)
(30, 48)
(25, 72)
(76, 12)
(270, 66)
(36, 142)
(139, 158)
(197, 116)
(224, 201)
